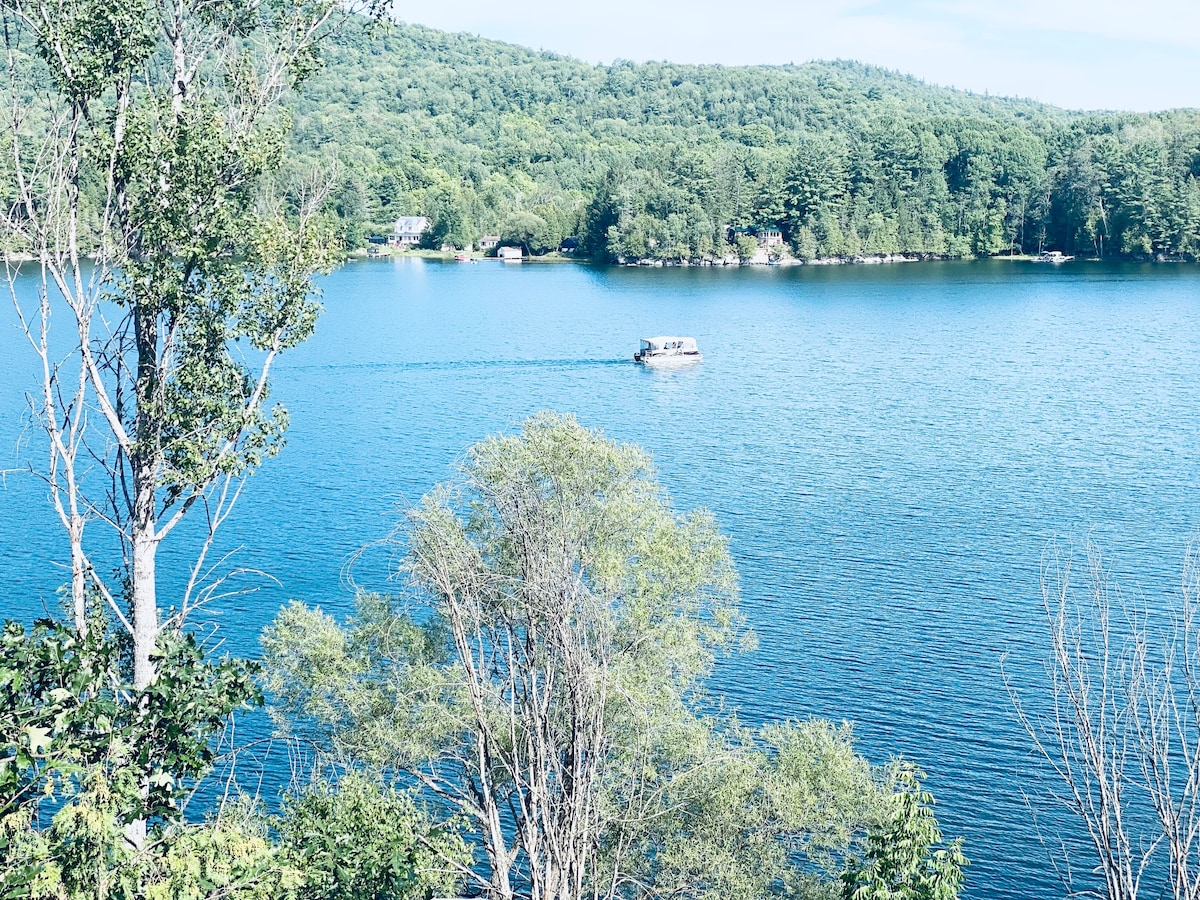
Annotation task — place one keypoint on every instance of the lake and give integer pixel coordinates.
(891, 450)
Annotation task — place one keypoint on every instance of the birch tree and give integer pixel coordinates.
(137, 183)
(140, 145)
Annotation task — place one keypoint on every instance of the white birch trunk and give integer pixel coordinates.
(144, 602)
(78, 574)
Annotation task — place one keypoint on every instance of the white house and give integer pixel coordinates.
(408, 230)
(510, 253)
(770, 237)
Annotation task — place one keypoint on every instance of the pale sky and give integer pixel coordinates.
(1080, 54)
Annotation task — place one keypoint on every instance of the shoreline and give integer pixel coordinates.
(789, 262)
(362, 255)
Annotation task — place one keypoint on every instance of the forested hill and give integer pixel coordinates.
(670, 161)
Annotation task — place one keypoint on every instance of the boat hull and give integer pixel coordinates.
(672, 359)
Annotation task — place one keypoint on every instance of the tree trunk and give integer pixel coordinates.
(144, 469)
(144, 602)
(78, 575)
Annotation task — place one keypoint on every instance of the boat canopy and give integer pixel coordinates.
(669, 342)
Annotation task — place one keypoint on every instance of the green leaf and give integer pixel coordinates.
(39, 739)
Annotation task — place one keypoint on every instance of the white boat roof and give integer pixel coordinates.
(667, 338)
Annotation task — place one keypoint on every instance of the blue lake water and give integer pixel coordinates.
(890, 450)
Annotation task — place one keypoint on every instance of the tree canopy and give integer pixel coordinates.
(545, 688)
(665, 160)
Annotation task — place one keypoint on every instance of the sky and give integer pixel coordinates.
(1138, 55)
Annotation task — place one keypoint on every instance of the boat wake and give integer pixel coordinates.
(442, 365)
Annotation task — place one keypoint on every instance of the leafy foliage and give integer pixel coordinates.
(552, 697)
(83, 754)
(84, 855)
(67, 707)
(360, 839)
(83, 748)
(903, 859)
(231, 856)
(664, 160)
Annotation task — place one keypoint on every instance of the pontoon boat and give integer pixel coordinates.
(666, 350)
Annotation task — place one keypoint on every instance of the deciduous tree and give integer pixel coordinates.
(552, 697)
(1121, 730)
(141, 143)
(185, 286)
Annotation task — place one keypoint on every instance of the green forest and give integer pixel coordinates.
(667, 161)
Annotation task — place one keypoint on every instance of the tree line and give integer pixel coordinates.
(668, 161)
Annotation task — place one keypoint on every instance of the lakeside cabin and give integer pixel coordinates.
(770, 237)
(408, 230)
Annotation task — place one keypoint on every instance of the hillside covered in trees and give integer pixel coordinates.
(672, 161)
